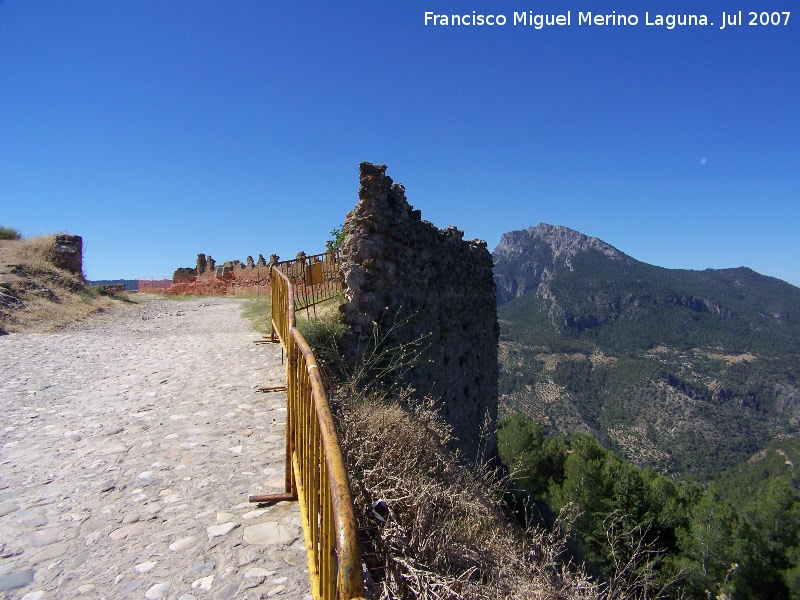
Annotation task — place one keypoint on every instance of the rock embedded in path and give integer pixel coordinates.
(269, 533)
(183, 543)
(259, 572)
(145, 566)
(204, 583)
(219, 530)
(44, 537)
(8, 507)
(158, 591)
(16, 579)
(49, 553)
(275, 591)
(228, 591)
(127, 531)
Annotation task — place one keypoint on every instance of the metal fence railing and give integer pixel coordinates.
(315, 473)
(314, 278)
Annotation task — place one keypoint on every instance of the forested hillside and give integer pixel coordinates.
(683, 371)
(738, 538)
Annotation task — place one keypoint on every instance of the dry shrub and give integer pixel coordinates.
(635, 560)
(433, 528)
(42, 314)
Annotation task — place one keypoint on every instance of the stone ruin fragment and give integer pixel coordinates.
(406, 280)
(68, 252)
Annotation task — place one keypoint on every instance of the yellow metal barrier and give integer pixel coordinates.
(315, 473)
(314, 278)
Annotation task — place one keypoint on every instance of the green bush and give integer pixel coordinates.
(338, 236)
(7, 233)
(322, 335)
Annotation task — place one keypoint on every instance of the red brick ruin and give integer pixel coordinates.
(230, 278)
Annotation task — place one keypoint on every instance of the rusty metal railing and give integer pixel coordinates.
(314, 278)
(315, 473)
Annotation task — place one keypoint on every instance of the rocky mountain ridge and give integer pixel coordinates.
(562, 241)
(681, 370)
(527, 258)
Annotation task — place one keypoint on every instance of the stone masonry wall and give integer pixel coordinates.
(409, 279)
(68, 252)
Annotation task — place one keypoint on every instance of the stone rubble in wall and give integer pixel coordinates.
(128, 448)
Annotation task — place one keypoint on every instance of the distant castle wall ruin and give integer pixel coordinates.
(232, 277)
(404, 280)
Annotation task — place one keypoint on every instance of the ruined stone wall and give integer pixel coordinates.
(231, 278)
(184, 275)
(68, 252)
(411, 280)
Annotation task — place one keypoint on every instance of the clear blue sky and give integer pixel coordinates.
(160, 129)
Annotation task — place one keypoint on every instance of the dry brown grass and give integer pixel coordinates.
(36, 296)
(36, 251)
(433, 528)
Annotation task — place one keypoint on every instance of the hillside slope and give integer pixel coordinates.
(36, 295)
(681, 370)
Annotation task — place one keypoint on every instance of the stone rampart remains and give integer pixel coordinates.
(201, 265)
(230, 278)
(184, 275)
(405, 280)
(68, 252)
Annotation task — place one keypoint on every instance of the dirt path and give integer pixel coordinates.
(128, 448)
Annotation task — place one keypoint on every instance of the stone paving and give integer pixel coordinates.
(128, 448)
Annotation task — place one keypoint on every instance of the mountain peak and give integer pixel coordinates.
(563, 242)
(527, 258)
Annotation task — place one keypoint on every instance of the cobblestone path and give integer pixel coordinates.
(128, 448)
